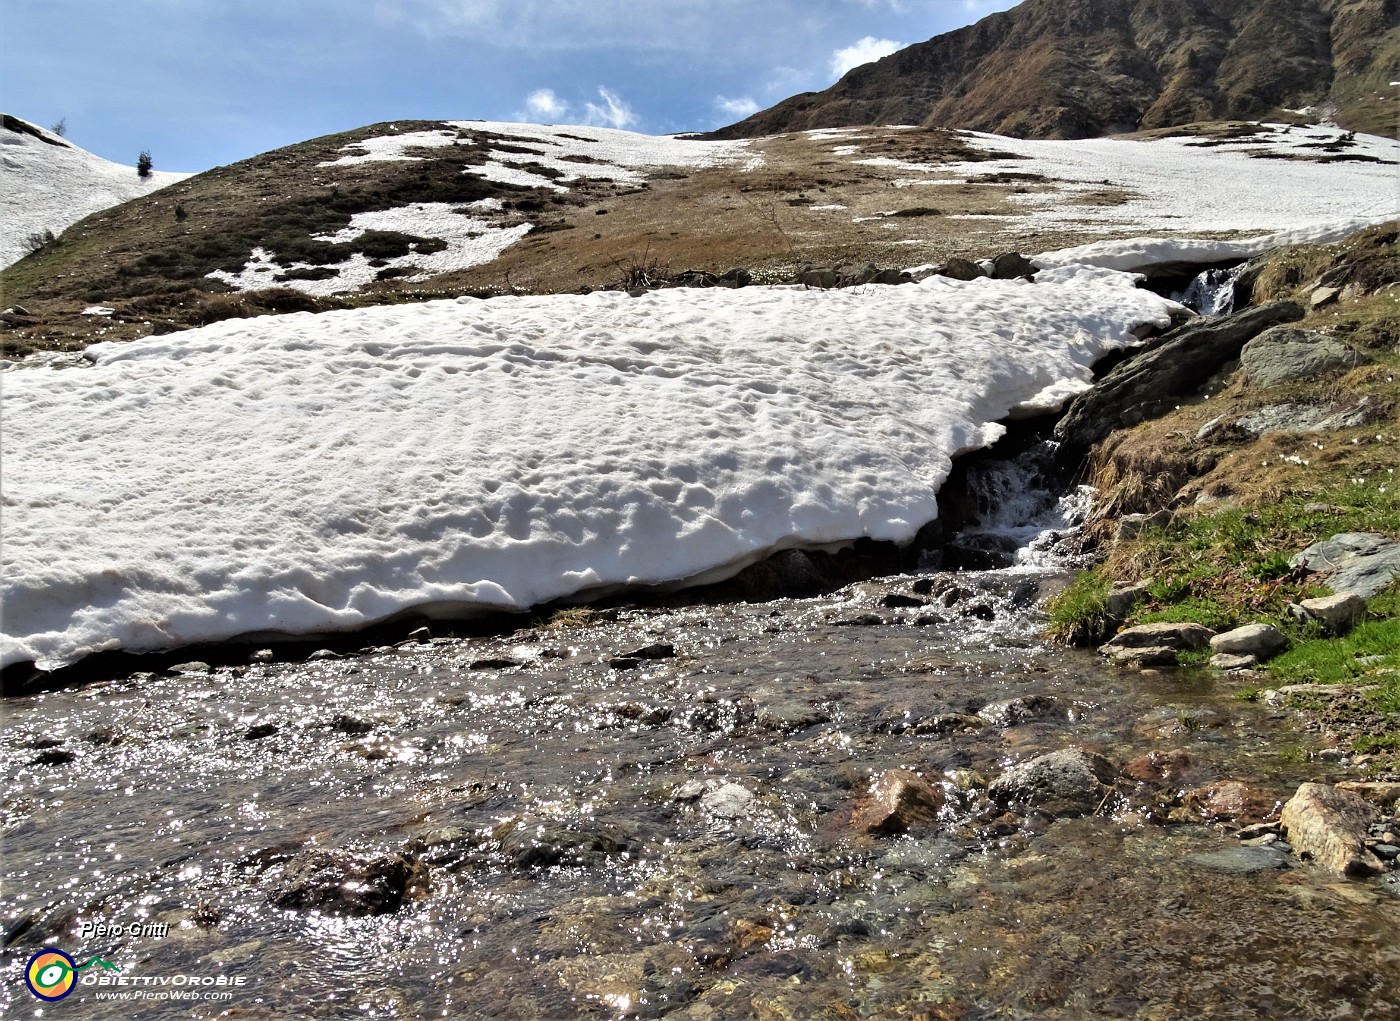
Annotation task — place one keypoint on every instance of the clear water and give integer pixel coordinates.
(168, 807)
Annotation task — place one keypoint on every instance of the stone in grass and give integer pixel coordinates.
(1331, 826)
(1233, 661)
(1337, 613)
(1262, 641)
(1067, 782)
(899, 801)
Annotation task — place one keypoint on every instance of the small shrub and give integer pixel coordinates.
(61, 128)
(143, 164)
(180, 214)
(38, 241)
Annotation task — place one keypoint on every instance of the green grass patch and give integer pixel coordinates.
(1369, 649)
(1079, 614)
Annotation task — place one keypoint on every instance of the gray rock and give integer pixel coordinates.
(1062, 783)
(1361, 563)
(1330, 826)
(1173, 636)
(1169, 366)
(1142, 657)
(1338, 613)
(790, 715)
(729, 801)
(1307, 418)
(1132, 525)
(192, 667)
(657, 650)
(1262, 641)
(1232, 661)
(1241, 860)
(1123, 598)
(532, 842)
(1285, 353)
(1323, 296)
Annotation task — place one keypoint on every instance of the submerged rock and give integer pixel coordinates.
(342, 882)
(898, 802)
(1068, 782)
(1331, 826)
(1226, 801)
(1243, 860)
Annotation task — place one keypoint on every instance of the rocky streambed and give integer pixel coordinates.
(893, 801)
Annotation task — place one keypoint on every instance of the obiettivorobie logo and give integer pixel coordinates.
(51, 974)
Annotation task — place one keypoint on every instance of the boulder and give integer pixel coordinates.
(1226, 801)
(1172, 636)
(1337, 613)
(1012, 266)
(898, 801)
(1362, 563)
(962, 269)
(1141, 658)
(1308, 418)
(1262, 641)
(1169, 366)
(1159, 767)
(1068, 782)
(1285, 353)
(1331, 826)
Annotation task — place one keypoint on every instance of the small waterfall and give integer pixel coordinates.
(1211, 292)
(1025, 514)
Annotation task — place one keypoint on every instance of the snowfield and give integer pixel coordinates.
(48, 183)
(301, 474)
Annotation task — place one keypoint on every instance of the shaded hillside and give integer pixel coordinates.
(1079, 68)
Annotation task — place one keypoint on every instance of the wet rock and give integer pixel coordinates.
(729, 801)
(1226, 801)
(1361, 563)
(737, 276)
(1378, 792)
(898, 801)
(1337, 613)
(901, 600)
(258, 731)
(980, 551)
(1169, 366)
(1068, 782)
(657, 650)
(531, 842)
(624, 663)
(1143, 658)
(261, 656)
(1262, 641)
(53, 757)
(492, 663)
(1285, 353)
(320, 655)
(1330, 826)
(1241, 860)
(1159, 767)
(352, 725)
(860, 620)
(790, 715)
(194, 666)
(1014, 711)
(342, 882)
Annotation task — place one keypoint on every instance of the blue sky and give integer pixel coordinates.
(206, 82)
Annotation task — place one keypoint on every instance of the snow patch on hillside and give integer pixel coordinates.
(395, 148)
(48, 183)
(315, 473)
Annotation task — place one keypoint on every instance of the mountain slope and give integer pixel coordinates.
(1079, 68)
(47, 184)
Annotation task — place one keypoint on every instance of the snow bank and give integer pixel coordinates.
(48, 183)
(305, 474)
(1136, 254)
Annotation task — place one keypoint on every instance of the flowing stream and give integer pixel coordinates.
(613, 836)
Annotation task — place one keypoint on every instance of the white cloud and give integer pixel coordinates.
(543, 103)
(614, 113)
(862, 51)
(741, 107)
